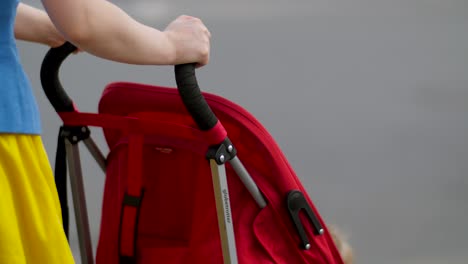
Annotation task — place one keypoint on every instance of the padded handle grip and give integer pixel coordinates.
(50, 77)
(192, 97)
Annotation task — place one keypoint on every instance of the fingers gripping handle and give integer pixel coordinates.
(50, 77)
(192, 97)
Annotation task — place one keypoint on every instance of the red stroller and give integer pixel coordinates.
(160, 203)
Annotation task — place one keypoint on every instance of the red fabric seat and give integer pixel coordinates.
(177, 218)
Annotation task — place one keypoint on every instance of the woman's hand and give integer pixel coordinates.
(190, 40)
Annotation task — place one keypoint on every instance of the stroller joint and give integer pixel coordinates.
(222, 153)
(75, 134)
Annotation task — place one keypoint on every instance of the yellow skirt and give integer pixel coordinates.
(30, 218)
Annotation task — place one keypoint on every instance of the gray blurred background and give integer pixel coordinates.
(368, 99)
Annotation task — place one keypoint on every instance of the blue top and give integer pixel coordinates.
(18, 108)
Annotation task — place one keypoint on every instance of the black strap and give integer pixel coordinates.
(131, 201)
(61, 178)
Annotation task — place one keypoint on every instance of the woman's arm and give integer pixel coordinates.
(101, 28)
(34, 25)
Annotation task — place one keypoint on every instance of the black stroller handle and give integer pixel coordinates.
(184, 73)
(192, 97)
(50, 77)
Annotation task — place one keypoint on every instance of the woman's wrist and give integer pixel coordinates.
(171, 47)
(34, 25)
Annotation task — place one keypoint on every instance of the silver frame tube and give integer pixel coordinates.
(79, 202)
(248, 181)
(96, 153)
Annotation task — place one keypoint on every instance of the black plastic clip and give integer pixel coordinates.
(223, 152)
(127, 260)
(297, 202)
(133, 201)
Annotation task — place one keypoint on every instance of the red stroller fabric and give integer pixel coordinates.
(177, 221)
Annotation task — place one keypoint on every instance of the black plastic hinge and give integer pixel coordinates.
(296, 202)
(75, 134)
(223, 152)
